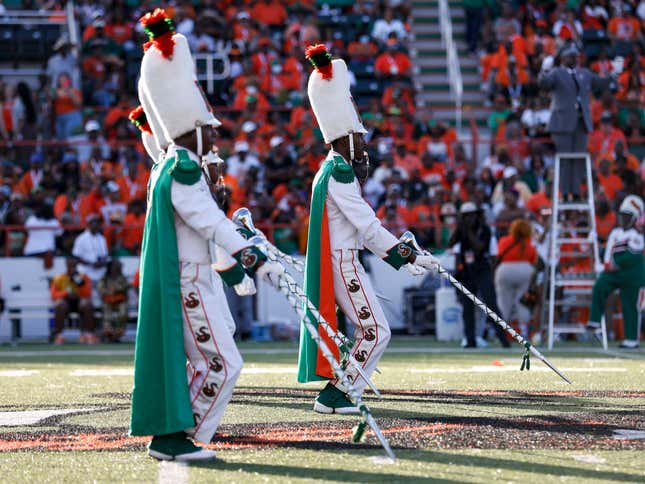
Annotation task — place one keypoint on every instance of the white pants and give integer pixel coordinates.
(512, 279)
(356, 298)
(214, 362)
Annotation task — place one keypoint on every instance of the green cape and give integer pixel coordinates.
(319, 286)
(160, 397)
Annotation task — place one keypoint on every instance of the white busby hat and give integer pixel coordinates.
(632, 204)
(329, 95)
(139, 118)
(153, 122)
(168, 74)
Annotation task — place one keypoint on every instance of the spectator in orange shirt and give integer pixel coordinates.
(406, 159)
(602, 65)
(132, 233)
(400, 95)
(269, 12)
(392, 63)
(610, 182)
(31, 180)
(632, 85)
(516, 257)
(66, 207)
(118, 28)
(118, 112)
(72, 292)
(90, 200)
(620, 153)
(250, 98)
(604, 139)
(540, 200)
(134, 182)
(605, 218)
(432, 170)
(67, 102)
(243, 30)
(606, 103)
(624, 28)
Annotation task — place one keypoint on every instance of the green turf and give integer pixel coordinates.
(461, 387)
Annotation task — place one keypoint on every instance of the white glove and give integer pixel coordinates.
(599, 267)
(246, 287)
(413, 269)
(617, 65)
(270, 272)
(547, 63)
(427, 261)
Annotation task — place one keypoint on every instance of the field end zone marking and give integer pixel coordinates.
(30, 417)
(172, 472)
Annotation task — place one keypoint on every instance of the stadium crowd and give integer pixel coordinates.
(69, 154)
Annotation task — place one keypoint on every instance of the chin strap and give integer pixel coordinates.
(351, 146)
(200, 146)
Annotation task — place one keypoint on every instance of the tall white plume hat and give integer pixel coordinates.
(330, 97)
(168, 77)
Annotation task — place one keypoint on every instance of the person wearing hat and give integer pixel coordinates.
(239, 163)
(570, 121)
(473, 244)
(623, 269)
(341, 223)
(172, 401)
(65, 61)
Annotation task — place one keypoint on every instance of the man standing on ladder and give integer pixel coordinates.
(570, 121)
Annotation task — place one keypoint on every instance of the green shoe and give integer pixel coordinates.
(178, 447)
(333, 400)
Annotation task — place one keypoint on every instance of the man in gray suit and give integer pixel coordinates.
(570, 121)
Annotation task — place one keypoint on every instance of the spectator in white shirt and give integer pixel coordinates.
(42, 230)
(242, 161)
(90, 248)
(384, 26)
(536, 119)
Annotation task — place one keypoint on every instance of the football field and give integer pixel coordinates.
(450, 416)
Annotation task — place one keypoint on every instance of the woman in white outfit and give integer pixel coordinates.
(516, 259)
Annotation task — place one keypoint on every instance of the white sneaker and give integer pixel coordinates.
(203, 454)
(481, 342)
(629, 344)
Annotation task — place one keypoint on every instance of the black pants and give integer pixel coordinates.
(481, 284)
(474, 21)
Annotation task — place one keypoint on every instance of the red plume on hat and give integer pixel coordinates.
(320, 58)
(160, 30)
(138, 117)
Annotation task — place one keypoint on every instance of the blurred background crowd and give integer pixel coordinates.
(422, 172)
(68, 153)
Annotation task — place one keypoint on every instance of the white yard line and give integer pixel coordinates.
(502, 369)
(18, 373)
(30, 417)
(171, 472)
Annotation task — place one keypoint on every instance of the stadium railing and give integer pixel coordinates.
(454, 71)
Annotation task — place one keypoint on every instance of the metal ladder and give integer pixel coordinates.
(579, 284)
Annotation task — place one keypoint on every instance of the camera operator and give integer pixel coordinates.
(473, 244)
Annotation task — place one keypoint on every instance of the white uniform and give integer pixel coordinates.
(214, 363)
(353, 225)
